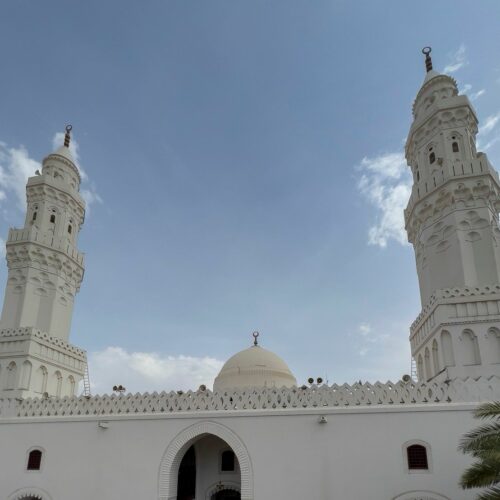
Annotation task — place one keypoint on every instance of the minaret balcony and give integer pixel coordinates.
(449, 170)
(32, 235)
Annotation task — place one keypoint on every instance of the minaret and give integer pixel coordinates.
(45, 273)
(452, 221)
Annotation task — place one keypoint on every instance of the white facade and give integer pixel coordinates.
(344, 442)
(45, 272)
(452, 222)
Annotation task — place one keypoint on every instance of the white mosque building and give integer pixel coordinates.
(257, 435)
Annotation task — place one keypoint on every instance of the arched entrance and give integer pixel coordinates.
(226, 495)
(29, 494)
(209, 470)
(186, 482)
(212, 444)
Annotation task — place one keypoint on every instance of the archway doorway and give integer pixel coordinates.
(226, 495)
(174, 453)
(186, 484)
(209, 470)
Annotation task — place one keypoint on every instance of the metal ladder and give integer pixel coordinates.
(86, 382)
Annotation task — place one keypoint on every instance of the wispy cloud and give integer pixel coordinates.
(385, 183)
(489, 124)
(149, 371)
(466, 89)
(489, 134)
(457, 60)
(476, 95)
(16, 166)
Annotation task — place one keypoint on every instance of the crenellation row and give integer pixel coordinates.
(259, 398)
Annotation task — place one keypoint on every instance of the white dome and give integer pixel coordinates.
(254, 367)
(65, 153)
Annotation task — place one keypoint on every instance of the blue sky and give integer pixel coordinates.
(244, 171)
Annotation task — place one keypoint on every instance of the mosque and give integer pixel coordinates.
(258, 435)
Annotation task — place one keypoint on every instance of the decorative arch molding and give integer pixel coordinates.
(25, 493)
(228, 485)
(420, 495)
(171, 460)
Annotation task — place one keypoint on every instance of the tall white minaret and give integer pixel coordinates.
(45, 272)
(452, 221)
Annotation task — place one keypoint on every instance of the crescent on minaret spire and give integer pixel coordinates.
(67, 135)
(428, 61)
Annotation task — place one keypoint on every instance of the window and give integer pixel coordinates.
(432, 158)
(417, 457)
(34, 216)
(52, 218)
(227, 461)
(454, 147)
(34, 460)
(70, 229)
(471, 354)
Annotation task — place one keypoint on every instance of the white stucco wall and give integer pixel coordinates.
(358, 454)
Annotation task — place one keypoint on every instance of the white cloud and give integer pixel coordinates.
(386, 184)
(149, 371)
(485, 131)
(16, 166)
(458, 60)
(476, 95)
(489, 124)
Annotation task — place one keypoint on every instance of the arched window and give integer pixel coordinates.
(34, 460)
(227, 461)
(447, 349)
(427, 359)
(52, 218)
(70, 228)
(57, 383)
(454, 147)
(416, 455)
(71, 386)
(494, 344)
(34, 216)
(10, 376)
(41, 380)
(432, 157)
(471, 354)
(420, 368)
(435, 356)
(26, 375)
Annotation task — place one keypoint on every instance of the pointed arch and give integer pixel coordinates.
(71, 385)
(471, 355)
(494, 344)
(26, 375)
(57, 383)
(29, 493)
(435, 357)
(427, 361)
(419, 495)
(447, 349)
(40, 382)
(420, 368)
(10, 376)
(170, 462)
